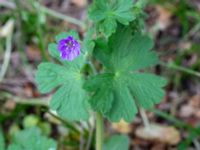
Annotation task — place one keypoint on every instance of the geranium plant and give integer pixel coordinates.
(115, 91)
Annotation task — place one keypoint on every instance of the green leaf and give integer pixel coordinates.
(146, 88)
(185, 144)
(63, 35)
(106, 14)
(118, 91)
(2, 141)
(49, 76)
(117, 142)
(31, 139)
(100, 83)
(88, 43)
(70, 100)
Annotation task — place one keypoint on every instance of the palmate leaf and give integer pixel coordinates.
(88, 43)
(32, 139)
(70, 100)
(106, 13)
(120, 89)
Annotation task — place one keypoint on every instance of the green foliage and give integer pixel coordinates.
(30, 121)
(2, 142)
(117, 142)
(185, 144)
(115, 89)
(122, 54)
(88, 43)
(66, 34)
(107, 13)
(70, 100)
(31, 139)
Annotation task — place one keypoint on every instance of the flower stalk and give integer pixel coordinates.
(99, 131)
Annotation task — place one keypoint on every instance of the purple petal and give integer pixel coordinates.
(63, 55)
(61, 45)
(69, 48)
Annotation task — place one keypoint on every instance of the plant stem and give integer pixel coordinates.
(171, 65)
(99, 131)
(69, 125)
(144, 118)
(41, 38)
(90, 134)
(177, 123)
(7, 56)
(62, 16)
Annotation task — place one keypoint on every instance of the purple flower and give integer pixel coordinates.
(69, 48)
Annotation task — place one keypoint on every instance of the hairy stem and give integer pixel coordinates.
(99, 131)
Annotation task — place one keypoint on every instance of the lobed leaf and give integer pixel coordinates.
(34, 141)
(70, 100)
(118, 91)
(106, 14)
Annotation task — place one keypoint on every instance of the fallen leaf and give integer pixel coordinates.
(164, 18)
(7, 28)
(195, 101)
(33, 53)
(10, 105)
(164, 134)
(80, 3)
(122, 127)
(187, 111)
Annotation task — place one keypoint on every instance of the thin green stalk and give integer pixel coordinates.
(177, 122)
(99, 120)
(42, 43)
(40, 32)
(99, 131)
(61, 16)
(31, 101)
(66, 123)
(180, 68)
(20, 31)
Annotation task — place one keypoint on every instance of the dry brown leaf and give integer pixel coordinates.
(80, 3)
(122, 127)
(164, 134)
(163, 20)
(33, 53)
(10, 105)
(195, 101)
(187, 111)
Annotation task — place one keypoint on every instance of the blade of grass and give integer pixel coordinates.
(175, 121)
(171, 65)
